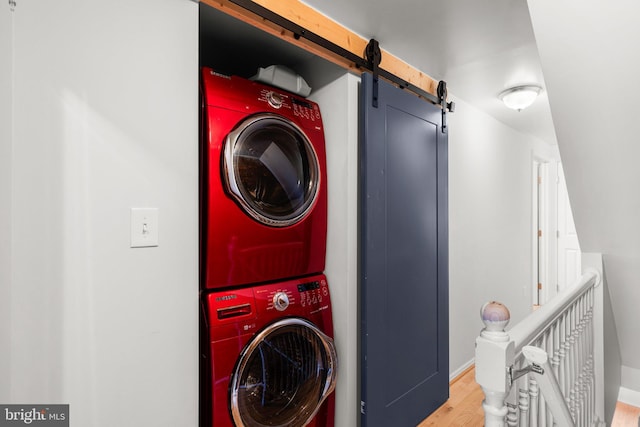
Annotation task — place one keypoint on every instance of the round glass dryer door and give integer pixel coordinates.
(271, 169)
(283, 375)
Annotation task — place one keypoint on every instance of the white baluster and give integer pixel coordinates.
(587, 358)
(563, 373)
(577, 366)
(553, 362)
(533, 399)
(590, 373)
(591, 397)
(548, 384)
(523, 401)
(512, 414)
(512, 408)
(572, 361)
(544, 416)
(583, 361)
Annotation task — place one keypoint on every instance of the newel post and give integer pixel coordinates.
(494, 355)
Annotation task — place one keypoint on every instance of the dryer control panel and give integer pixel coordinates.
(313, 293)
(306, 111)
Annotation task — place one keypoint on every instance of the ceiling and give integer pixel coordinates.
(479, 47)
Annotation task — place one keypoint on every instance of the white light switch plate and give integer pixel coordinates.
(144, 227)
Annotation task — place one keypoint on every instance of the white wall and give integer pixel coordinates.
(105, 119)
(338, 102)
(6, 129)
(490, 210)
(613, 375)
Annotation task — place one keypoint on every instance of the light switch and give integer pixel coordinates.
(144, 227)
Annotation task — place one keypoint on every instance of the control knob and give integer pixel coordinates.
(274, 99)
(280, 301)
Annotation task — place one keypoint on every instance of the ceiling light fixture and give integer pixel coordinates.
(520, 97)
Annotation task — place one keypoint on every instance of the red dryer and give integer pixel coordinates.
(264, 189)
(272, 356)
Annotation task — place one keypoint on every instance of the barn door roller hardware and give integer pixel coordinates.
(442, 100)
(373, 56)
(299, 32)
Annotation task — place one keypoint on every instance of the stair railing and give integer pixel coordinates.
(545, 370)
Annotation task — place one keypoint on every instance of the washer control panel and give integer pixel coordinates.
(293, 297)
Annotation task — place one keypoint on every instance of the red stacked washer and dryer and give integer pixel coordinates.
(268, 357)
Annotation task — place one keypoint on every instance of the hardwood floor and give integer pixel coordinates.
(464, 407)
(625, 416)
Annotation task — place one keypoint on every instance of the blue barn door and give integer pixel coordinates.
(403, 258)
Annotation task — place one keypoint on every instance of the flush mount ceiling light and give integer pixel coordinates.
(520, 97)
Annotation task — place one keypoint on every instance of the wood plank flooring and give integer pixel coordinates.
(625, 416)
(464, 407)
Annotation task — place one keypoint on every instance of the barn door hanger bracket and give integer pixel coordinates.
(373, 55)
(442, 100)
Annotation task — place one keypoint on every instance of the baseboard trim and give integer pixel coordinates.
(628, 396)
(459, 373)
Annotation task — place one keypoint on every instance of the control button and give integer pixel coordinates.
(280, 301)
(274, 99)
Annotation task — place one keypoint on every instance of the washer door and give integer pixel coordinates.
(271, 169)
(283, 375)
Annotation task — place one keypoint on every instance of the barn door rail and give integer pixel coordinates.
(547, 370)
(360, 62)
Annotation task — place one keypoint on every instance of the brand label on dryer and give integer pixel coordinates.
(224, 76)
(227, 297)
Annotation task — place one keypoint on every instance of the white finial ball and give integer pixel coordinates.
(495, 316)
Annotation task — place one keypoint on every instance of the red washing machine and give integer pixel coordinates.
(272, 360)
(264, 186)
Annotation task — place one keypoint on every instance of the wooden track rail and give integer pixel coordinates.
(312, 20)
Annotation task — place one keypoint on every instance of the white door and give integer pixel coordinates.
(569, 267)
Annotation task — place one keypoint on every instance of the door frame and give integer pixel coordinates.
(541, 230)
